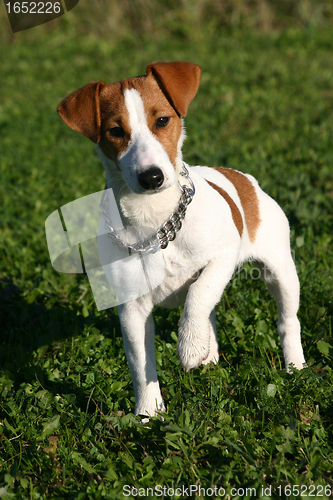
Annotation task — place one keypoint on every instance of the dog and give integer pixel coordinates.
(206, 221)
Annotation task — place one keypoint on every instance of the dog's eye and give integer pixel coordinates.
(117, 132)
(162, 122)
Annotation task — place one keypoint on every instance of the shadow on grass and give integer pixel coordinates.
(32, 334)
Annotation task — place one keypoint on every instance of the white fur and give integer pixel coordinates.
(198, 264)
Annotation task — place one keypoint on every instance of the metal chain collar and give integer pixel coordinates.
(165, 234)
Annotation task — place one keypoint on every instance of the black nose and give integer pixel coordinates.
(151, 179)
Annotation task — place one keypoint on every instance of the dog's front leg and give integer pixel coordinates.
(195, 325)
(138, 334)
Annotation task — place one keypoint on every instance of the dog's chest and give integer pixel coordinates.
(180, 271)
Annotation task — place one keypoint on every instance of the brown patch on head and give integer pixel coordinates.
(178, 80)
(80, 110)
(99, 112)
(114, 114)
(248, 198)
(236, 215)
(157, 106)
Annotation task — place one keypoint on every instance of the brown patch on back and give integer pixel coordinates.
(248, 197)
(236, 215)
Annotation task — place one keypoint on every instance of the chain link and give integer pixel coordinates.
(165, 234)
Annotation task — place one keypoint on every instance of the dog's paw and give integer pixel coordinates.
(150, 410)
(146, 420)
(293, 366)
(213, 357)
(193, 344)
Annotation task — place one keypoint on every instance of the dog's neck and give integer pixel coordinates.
(150, 210)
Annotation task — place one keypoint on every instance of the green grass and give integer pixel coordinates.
(66, 399)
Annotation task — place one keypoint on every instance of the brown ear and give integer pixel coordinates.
(178, 80)
(81, 112)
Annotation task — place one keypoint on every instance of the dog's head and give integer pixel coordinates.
(137, 122)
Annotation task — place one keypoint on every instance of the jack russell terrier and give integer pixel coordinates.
(206, 221)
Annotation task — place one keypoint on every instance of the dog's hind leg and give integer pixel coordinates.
(138, 335)
(282, 282)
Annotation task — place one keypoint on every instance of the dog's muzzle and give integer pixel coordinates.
(151, 179)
